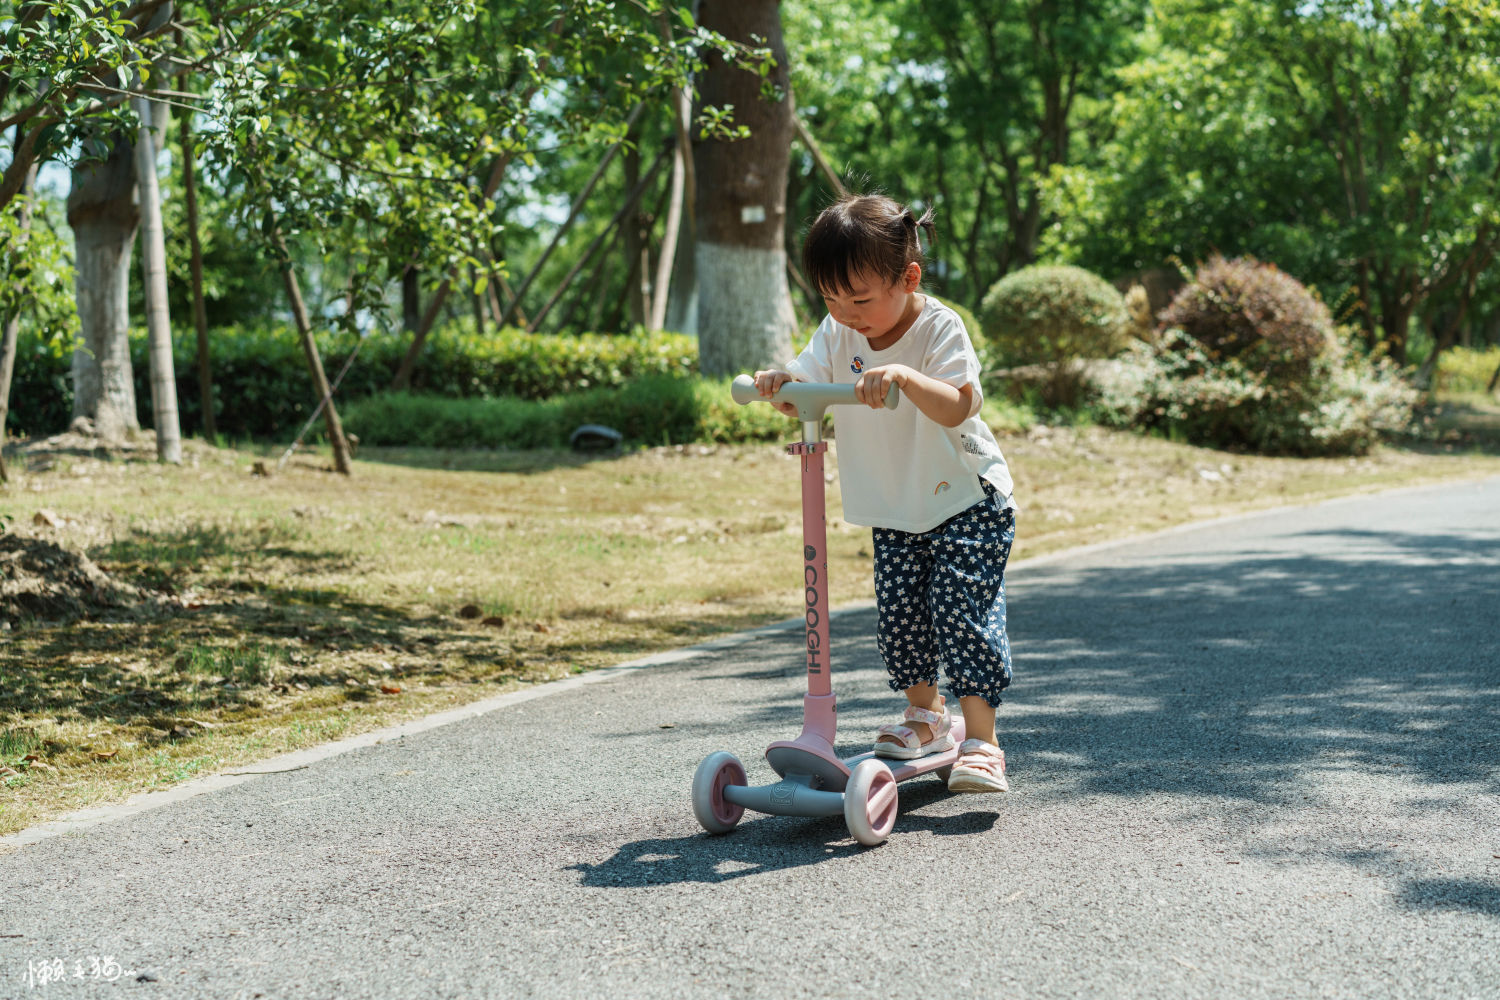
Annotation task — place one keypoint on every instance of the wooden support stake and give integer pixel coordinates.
(818, 158)
(629, 206)
(577, 206)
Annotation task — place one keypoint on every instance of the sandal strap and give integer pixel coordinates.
(981, 756)
(908, 737)
(915, 714)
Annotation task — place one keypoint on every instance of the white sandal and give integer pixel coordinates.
(909, 747)
(980, 768)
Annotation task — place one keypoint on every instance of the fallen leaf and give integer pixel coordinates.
(104, 754)
(389, 689)
(8, 772)
(469, 611)
(42, 765)
(541, 628)
(667, 725)
(31, 756)
(45, 518)
(494, 621)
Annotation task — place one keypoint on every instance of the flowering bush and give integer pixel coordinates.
(1342, 405)
(1253, 312)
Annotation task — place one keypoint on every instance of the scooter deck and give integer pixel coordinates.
(903, 769)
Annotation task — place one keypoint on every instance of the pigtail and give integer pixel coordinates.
(916, 225)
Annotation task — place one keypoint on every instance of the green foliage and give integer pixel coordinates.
(1054, 315)
(36, 276)
(262, 388)
(1343, 405)
(965, 105)
(1466, 370)
(1351, 141)
(654, 410)
(1252, 312)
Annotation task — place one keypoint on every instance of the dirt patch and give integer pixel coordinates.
(40, 579)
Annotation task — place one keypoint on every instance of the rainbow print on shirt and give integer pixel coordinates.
(940, 488)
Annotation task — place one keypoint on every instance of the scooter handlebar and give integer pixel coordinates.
(810, 398)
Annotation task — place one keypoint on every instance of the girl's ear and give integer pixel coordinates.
(911, 278)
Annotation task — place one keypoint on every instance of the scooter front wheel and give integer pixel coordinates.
(715, 813)
(870, 802)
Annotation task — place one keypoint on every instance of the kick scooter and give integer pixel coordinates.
(815, 781)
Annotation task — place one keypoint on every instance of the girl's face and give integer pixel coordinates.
(874, 307)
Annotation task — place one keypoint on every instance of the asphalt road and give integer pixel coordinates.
(1258, 758)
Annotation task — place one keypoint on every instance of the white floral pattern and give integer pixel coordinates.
(940, 595)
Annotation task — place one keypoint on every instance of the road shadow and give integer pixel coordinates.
(1255, 681)
(761, 844)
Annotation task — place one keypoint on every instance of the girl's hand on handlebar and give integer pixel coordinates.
(768, 382)
(875, 384)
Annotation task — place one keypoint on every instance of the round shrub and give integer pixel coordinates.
(1046, 315)
(1056, 317)
(1254, 312)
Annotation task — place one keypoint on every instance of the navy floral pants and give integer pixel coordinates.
(941, 597)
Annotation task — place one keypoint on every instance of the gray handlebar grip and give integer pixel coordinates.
(810, 398)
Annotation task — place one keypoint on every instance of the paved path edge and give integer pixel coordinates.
(140, 802)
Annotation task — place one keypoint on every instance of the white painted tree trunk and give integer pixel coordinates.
(745, 318)
(102, 214)
(154, 273)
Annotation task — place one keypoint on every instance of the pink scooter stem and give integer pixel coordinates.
(812, 752)
(815, 582)
(814, 780)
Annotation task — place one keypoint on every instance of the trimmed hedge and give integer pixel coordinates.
(653, 410)
(1056, 317)
(262, 388)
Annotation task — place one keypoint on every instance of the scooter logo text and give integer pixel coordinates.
(814, 650)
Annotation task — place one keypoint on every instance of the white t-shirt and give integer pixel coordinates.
(899, 468)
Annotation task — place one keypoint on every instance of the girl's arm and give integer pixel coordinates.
(940, 402)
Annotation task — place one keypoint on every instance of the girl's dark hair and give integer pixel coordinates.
(869, 234)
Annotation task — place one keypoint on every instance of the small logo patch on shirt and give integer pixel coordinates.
(858, 365)
(941, 487)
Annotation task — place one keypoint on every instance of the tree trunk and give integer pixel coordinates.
(745, 317)
(154, 277)
(314, 363)
(200, 311)
(10, 331)
(411, 300)
(1395, 317)
(682, 291)
(476, 299)
(102, 214)
(635, 238)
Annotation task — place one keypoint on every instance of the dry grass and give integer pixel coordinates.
(302, 607)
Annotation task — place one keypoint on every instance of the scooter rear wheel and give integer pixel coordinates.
(715, 813)
(870, 802)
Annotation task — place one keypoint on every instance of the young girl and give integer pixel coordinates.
(928, 477)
